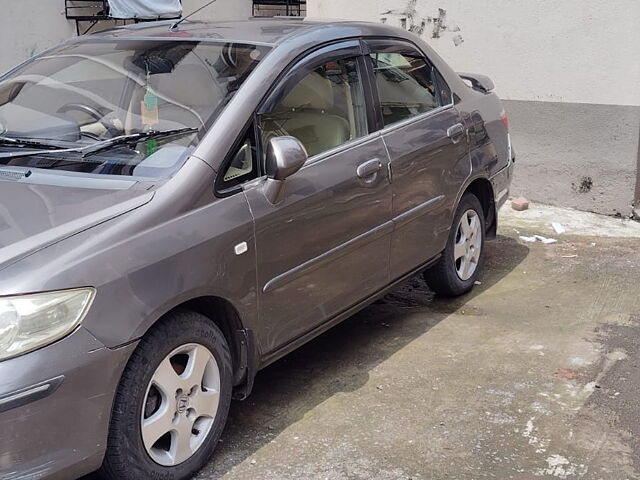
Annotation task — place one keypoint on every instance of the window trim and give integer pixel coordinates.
(306, 64)
(220, 190)
(400, 46)
(317, 53)
(301, 67)
(361, 48)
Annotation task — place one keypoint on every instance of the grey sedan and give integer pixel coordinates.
(182, 206)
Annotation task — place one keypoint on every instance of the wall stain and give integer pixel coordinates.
(411, 20)
(583, 186)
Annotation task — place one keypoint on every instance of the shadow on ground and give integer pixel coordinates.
(340, 360)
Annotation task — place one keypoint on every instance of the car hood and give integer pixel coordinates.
(33, 216)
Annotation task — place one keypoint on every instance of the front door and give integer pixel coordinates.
(427, 146)
(325, 246)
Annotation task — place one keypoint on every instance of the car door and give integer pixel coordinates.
(427, 145)
(325, 246)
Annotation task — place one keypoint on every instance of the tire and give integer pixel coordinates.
(193, 348)
(448, 276)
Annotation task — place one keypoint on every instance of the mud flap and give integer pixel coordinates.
(247, 369)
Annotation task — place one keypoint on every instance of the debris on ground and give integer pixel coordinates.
(558, 227)
(527, 239)
(534, 238)
(520, 204)
(545, 240)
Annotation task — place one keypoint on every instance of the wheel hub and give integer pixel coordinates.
(466, 251)
(182, 403)
(185, 392)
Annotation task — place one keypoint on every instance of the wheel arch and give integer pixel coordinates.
(223, 313)
(482, 188)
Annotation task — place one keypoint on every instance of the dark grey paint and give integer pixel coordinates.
(342, 232)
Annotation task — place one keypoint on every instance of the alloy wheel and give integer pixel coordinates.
(466, 251)
(180, 404)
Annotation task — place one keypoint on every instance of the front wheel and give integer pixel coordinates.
(172, 401)
(457, 270)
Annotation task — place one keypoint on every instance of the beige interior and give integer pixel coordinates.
(317, 111)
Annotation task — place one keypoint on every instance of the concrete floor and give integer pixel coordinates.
(533, 374)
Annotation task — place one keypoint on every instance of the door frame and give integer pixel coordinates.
(397, 45)
(307, 63)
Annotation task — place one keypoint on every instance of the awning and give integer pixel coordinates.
(145, 9)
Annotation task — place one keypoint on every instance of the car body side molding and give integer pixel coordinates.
(333, 253)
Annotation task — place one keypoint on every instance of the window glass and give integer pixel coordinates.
(324, 110)
(242, 166)
(79, 95)
(444, 90)
(406, 85)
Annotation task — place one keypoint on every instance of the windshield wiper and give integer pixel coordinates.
(25, 142)
(104, 145)
(101, 146)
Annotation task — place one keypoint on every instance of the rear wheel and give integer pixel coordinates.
(172, 401)
(461, 262)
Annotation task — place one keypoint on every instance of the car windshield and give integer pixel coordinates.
(87, 94)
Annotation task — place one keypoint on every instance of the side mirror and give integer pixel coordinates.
(285, 156)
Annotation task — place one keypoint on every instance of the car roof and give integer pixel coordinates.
(270, 31)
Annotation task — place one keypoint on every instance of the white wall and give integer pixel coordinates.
(29, 26)
(585, 51)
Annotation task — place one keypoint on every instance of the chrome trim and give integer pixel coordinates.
(333, 254)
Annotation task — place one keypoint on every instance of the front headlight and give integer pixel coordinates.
(28, 322)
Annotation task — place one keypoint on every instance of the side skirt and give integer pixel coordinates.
(323, 327)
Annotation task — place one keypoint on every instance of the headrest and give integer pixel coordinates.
(313, 92)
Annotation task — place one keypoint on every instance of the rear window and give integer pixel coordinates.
(407, 83)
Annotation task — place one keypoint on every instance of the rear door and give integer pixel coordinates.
(427, 145)
(325, 246)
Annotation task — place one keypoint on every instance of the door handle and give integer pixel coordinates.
(368, 168)
(454, 132)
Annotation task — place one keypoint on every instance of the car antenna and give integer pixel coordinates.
(175, 26)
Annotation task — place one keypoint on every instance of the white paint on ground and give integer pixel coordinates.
(580, 361)
(561, 467)
(530, 433)
(538, 219)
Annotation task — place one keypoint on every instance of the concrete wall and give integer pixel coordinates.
(30, 26)
(570, 72)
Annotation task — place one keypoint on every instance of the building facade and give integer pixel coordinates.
(569, 73)
(29, 26)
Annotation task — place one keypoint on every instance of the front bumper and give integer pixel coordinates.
(55, 405)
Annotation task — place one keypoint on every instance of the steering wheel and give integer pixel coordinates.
(93, 113)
